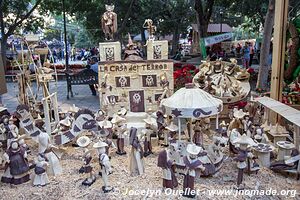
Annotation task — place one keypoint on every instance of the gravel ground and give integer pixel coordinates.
(68, 185)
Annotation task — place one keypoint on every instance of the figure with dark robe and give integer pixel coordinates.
(242, 156)
(160, 120)
(40, 170)
(136, 155)
(120, 128)
(132, 52)
(86, 168)
(105, 134)
(198, 135)
(147, 132)
(191, 164)
(16, 165)
(164, 162)
(9, 130)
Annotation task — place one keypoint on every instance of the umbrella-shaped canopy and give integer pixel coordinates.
(191, 102)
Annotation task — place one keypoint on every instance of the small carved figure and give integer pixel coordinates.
(104, 164)
(136, 156)
(109, 22)
(191, 163)
(166, 163)
(16, 165)
(120, 129)
(148, 24)
(87, 168)
(132, 52)
(40, 170)
(150, 122)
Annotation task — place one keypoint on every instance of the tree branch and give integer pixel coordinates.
(19, 22)
(198, 7)
(208, 8)
(126, 17)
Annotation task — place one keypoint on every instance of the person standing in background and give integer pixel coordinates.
(246, 55)
(252, 50)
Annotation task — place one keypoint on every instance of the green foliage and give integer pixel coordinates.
(83, 39)
(18, 15)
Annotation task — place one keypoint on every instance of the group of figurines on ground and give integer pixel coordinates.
(83, 127)
(14, 131)
(247, 136)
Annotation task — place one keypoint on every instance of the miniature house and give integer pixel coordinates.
(135, 84)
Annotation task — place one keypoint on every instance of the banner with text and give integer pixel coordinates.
(217, 38)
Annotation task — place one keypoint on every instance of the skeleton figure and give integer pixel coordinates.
(123, 81)
(148, 24)
(109, 22)
(109, 54)
(136, 98)
(149, 81)
(157, 52)
(164, 83)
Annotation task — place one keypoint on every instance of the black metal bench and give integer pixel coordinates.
(84, 77)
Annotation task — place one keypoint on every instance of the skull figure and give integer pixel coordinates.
(136, 98)
(109, 52)
(122, 81)
(149, 81)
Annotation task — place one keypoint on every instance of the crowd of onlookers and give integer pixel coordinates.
(247, 52)
(74, 54)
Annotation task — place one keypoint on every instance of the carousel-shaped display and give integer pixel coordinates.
(224, 80)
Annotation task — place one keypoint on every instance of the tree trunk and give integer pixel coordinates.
(126, 17)
(3, 51)
(175, 40)
(262, 81)
(4, 38)
(294, 54)
(203, 15)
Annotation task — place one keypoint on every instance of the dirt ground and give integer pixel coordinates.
(68, 185)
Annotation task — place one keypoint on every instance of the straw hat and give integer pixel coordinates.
(193, 149)
(73, 109)
(122, 112)
(257, 137)
(103, 132)
(265, 126)
(100, 144)
(172, 127)
(61, 111)
(66, 122)
(150, 120)
(117, 119)
(239, 114)
(277, 129)
(105, 124)
(244, 139)
(83, 141)
(150, 110)
(224, 124)
(233, 60)
(12, 118)
(206, 120)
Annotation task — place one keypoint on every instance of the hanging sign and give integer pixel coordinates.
(217, 38)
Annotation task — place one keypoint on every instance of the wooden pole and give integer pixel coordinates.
(279, 44)
(3, 88)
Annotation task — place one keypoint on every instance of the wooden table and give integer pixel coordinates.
(284, 149)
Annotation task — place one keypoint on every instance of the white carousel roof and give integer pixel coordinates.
(192, 102)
